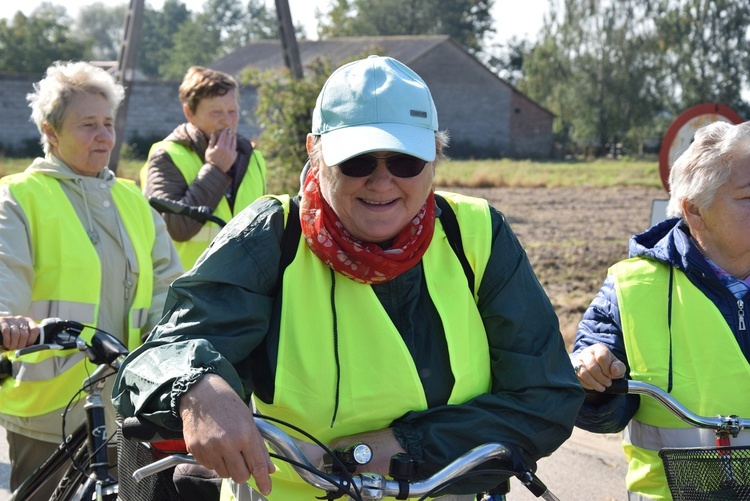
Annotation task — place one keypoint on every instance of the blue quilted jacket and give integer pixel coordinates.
(668, 242)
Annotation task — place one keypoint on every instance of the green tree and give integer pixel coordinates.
(175, 38)
(156, 35)
(598, 67)
(30, 44)
(620, 70)
(240, 23)
(102, 26)
(284, 113)
(195, 43)
(466, 21)
(261, 22)
(507, 59)
(706, 49)
(229, 19)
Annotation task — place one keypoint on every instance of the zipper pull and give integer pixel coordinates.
(741, 313)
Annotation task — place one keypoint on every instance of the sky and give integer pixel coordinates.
(512, 18)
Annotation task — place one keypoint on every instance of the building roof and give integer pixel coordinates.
(268, 55)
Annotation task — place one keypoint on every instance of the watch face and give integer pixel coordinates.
(362, 454)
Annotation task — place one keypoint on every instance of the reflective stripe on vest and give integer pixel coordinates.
(81, 312)
(656, 438)
(371, 397)
(252, 186)
(138, 320)
(71, 291)
(705, 356)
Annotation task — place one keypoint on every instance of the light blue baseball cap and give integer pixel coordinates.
(375, 104)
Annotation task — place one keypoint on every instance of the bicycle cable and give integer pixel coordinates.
(347, 476)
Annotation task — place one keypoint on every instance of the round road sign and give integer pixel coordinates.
(680, 133)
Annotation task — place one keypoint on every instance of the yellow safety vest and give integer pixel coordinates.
(378, 378)
(710, 374)
(253, 185)
(67, 284)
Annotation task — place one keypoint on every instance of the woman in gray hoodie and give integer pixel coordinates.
(77, 243)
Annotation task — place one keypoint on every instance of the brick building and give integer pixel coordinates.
(486, 116)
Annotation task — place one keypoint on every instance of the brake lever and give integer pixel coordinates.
(64, 342)
(49, 328)
(54, 334)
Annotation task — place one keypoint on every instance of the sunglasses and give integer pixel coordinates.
(399, 165)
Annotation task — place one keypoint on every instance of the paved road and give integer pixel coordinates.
(587, 467)
(4, 466)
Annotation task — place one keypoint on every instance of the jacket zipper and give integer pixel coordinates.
(741, 314)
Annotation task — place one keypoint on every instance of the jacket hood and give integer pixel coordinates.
(669, 242)
(54, 167)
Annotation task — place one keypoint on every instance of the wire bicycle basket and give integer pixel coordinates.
(708, 473)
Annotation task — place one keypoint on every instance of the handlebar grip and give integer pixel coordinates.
(618, 387)
(6, 367)
(167, 205)
(50, 330)
(137, 429)
(201, 214)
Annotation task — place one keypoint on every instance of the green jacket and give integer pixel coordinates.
(534, 398)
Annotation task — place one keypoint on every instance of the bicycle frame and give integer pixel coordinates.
(83, 453)
(99, 482)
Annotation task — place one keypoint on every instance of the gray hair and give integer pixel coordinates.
(707, 165)
(63, 80)
(441, 138)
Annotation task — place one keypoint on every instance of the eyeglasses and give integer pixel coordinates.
(399, 165)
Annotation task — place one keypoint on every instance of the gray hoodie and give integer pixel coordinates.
(92, 200)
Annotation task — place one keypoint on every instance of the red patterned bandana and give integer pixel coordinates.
(360, 261)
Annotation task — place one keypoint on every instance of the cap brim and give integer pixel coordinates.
(341, 144)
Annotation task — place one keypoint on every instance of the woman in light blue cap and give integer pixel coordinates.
(383, 312)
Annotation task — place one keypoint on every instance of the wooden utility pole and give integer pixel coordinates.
(288, 39)
(126, 62)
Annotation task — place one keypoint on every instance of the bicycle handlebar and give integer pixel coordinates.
(54, 334)
(201, 213)
(371, 486)
(720, 424)
(59, 334)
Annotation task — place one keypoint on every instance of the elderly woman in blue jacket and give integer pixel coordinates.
(674, 314)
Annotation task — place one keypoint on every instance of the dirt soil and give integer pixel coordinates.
(572, 235)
